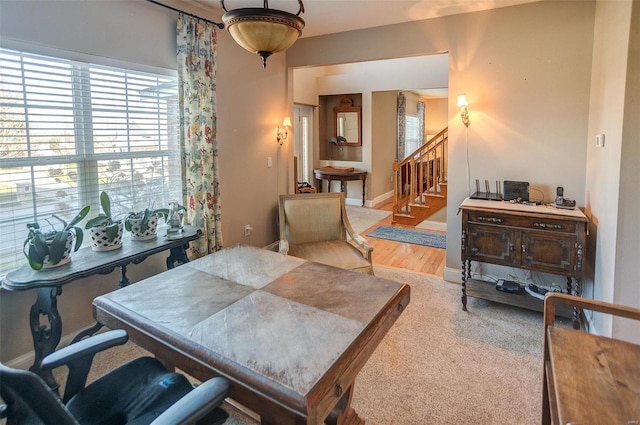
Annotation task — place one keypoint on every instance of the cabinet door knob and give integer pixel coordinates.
(550, 226)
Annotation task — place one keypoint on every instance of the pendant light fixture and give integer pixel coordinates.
(262, 30)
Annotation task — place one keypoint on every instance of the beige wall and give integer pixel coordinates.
(612, 192)
(436, 115)
(627, 290)
(384, 112)
(535, 108)
(526, 73)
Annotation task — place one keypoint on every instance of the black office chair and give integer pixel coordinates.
(140, 392)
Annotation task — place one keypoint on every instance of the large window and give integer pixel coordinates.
(69, 130)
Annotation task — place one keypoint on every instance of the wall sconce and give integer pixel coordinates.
(464, 113)
(281, 135)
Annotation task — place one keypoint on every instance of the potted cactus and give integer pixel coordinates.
(105, 231)
(46, 249)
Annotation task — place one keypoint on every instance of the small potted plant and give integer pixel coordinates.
(53, 248)
(105, 231)
(143, 224)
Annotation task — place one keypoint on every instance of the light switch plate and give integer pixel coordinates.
(600, 140)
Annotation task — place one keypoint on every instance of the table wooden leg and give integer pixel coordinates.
(177, 256)
(546, 415)
(466, 267)
(45, 339)
(124, 280)
(574, 287)
(343, 413)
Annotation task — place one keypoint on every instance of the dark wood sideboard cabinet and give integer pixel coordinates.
(538, 238)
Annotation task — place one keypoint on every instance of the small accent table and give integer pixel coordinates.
(85, 262)
(342, 176)
(538, 238)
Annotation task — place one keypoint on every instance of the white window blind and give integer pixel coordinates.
(69, 130)
(412, 135)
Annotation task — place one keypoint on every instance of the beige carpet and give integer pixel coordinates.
(438, 364)
(362, 218)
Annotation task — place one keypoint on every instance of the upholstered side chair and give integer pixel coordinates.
(314, 226)
(139, 392)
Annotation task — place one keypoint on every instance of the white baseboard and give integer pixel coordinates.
(377, 200)
(380, 199)
(452, 275)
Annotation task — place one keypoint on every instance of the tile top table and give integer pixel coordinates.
(291, 335)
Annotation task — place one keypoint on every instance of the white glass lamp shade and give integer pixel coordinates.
(462, 101)
(286, 122)
(263, 31)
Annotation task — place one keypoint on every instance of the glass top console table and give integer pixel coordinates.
(85, 262)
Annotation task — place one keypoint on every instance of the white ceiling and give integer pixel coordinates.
(332, 16)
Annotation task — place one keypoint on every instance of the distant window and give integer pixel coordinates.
(411, 135)
(69, 130)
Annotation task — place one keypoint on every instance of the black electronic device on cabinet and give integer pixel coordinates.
(487, 195)
(515, 190)
(562, 202)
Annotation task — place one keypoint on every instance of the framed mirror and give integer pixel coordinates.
(348, 122)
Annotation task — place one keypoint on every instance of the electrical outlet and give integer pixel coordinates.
(248, 229)
(269, 162)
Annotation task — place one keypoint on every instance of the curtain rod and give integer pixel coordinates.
(218, 24)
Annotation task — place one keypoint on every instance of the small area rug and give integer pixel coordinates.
(417, 237)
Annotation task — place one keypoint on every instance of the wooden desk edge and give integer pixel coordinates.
(348, 368)
(553, 298)
(552, 214)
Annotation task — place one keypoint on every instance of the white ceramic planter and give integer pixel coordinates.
(136, 228)
(66, 257)
(100, 240)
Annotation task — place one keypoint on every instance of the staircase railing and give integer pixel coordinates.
(420, 173)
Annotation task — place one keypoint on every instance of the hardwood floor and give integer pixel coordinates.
(415, 258)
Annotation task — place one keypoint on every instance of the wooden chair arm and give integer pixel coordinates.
(553, 298)
(355, 237)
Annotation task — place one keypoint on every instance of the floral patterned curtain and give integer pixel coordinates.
(402, 114)
(198, 143)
